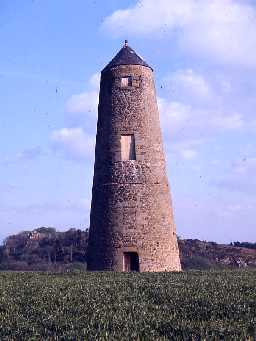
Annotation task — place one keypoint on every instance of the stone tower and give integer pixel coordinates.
(131, 222)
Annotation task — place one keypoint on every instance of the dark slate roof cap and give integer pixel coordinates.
(126, 56)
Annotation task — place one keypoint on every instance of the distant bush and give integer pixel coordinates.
(197, 263)
(244, 244)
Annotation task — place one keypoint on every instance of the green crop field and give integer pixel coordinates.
(109, 306)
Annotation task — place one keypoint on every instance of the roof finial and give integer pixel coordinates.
(125, 43)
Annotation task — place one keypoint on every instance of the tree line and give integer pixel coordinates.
(43, 249)
(46, 249)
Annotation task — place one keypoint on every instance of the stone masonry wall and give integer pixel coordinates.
(131, 207)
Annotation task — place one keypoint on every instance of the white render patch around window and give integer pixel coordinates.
(128, 147)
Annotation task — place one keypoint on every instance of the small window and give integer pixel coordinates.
(128, 147)
(126, 81)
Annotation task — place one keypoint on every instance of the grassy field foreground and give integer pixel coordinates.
(128, 306)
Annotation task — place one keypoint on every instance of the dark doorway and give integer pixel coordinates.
(131, 261)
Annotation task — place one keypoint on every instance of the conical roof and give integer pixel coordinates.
(126, 56)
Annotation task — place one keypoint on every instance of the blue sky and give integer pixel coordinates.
(203, 53)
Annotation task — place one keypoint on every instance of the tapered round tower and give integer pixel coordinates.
(131, 222)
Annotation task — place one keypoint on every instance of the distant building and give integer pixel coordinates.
(34, 235)
(131, 223)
